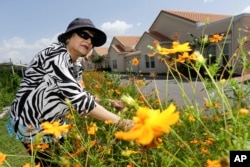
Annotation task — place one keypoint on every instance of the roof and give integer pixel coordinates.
(197, 17)
(128, 40)
(158, 36)
(101, 50)
(125, 43)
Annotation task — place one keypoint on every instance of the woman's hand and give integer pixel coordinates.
(118, 104)
(125, 124)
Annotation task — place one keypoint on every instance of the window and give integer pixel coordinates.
(225, 55)
(211, 54)
(150, 62)
(114, 64)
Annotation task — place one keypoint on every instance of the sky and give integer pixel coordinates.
(27, 26)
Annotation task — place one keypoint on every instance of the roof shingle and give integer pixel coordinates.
(197, 17)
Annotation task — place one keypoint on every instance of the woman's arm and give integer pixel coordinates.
(100, 113)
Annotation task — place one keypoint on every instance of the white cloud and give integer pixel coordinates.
(18, 50)
(246, 10)
(207, 1)
(116, 28)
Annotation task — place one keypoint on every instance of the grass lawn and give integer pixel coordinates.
(16, 153)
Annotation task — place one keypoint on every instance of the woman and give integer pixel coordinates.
(50, 79)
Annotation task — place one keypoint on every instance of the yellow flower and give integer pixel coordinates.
(140, 83)
(150, 124)
(217, 105)
(191, 118)
(244, 111)
(2, 158)
(54, 128)
(135, 61)
(128, 152)
(215, 38)
(92, 128)
(109, 83)
(117, 91)
(158, 49)
(177, 47)
(223, 81)
(214, 163)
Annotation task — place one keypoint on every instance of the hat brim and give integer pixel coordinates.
(99, 36)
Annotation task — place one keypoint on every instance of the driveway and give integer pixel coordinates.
(180, 92)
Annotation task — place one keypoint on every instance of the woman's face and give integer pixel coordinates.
(79, 44)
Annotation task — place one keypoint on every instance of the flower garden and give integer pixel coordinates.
(164, 134)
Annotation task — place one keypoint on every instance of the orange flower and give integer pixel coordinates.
(150, 124)
(214, 163)
(204, 151)
(135, 61)
(41, 147)
(185, 56)
(92, 128)
(78, 151)
(28, 165)
(108, 122)
(54, 128)
(130, 165)
(117, 91)
(215, 38)
(194, 141)
(2, 158)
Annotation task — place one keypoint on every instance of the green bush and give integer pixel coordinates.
(9, 84)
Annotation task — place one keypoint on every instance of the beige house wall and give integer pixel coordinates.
(160, 67)
(237, 28)
(168, 25)
(119, 58)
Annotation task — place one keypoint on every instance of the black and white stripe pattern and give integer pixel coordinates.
(47, 82)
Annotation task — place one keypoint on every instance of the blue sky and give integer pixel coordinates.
(27, 26)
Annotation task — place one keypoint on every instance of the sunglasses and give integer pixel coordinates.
(85, 35)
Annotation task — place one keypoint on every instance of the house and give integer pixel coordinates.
(96, 59)
(120, 48)
(171, 25)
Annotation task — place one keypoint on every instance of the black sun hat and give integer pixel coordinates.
(85, 24)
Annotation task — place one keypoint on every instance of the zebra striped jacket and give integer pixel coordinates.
(49, 79)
